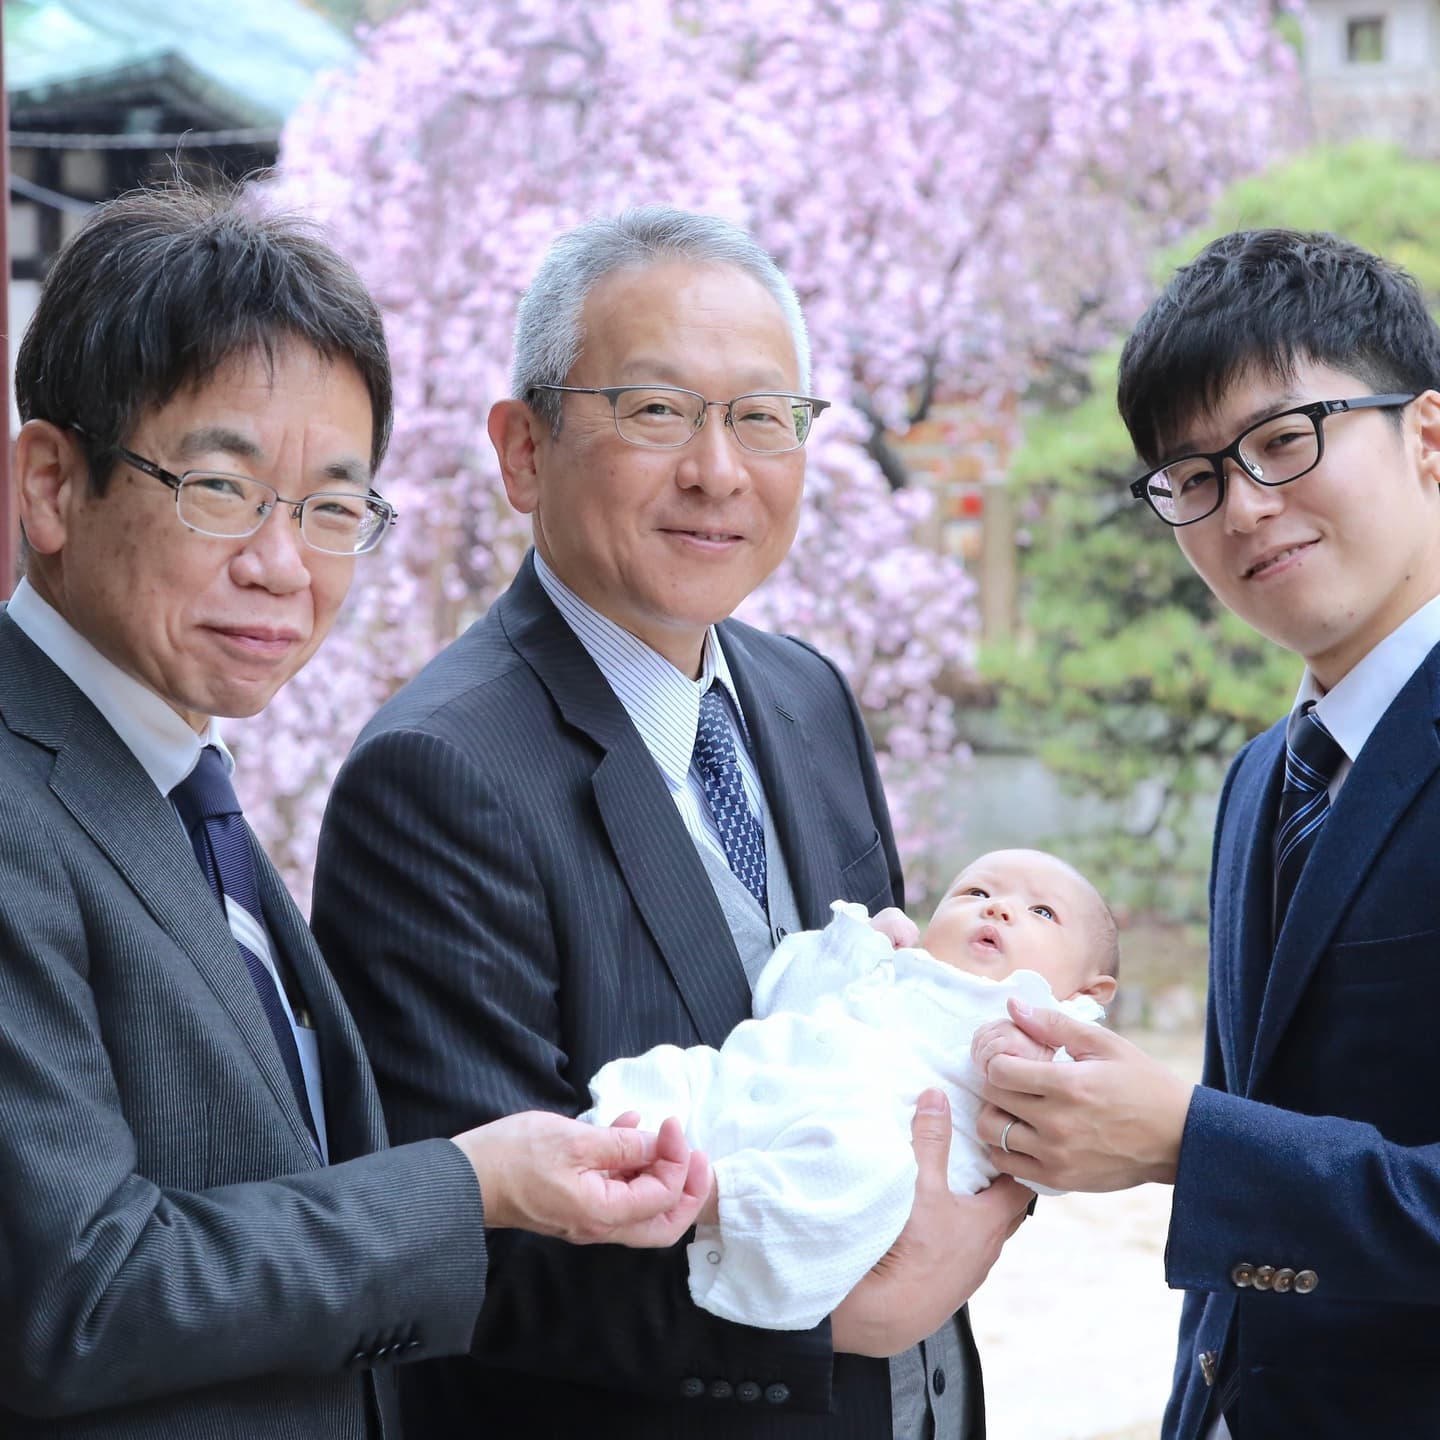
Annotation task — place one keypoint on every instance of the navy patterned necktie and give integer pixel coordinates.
(1312, 757)
(740, 834)
(213, 820)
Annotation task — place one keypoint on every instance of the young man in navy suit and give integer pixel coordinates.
(1284, 387)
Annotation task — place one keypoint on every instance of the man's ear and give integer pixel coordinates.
(1425, 413)
(50, 474)
(1101, 989)
(516, 432)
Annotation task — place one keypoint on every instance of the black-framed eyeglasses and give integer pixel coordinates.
(1274, 451)
(665, 417)
(229, 507)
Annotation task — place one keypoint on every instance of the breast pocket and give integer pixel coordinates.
(866, 880)
(1397, 959)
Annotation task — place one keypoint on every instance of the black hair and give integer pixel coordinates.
(161, 287)
(1269, 300)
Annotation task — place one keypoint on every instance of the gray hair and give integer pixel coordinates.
(547, 326)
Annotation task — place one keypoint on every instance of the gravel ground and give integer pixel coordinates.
(1075, 1325)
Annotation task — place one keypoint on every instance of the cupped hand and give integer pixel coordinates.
(586, 1183)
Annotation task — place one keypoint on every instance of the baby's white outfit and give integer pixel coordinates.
(805, 1112)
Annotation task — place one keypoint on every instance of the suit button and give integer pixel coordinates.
(721, 1389)
(937, 1381)
(777, 1394)
(747, 1392)
(692, 1387)
(1243, 1275)
(1264, 1277)
(1284, 1279)
(1305, 1281)
(1207, 1360)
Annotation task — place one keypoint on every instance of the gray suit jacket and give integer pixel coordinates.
(509, 898)
(174, 1261)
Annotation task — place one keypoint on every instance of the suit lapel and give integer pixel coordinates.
(652, 848)
(792, 789)
(1243, 902)
(97, 779)
(352, 1115)
(1397, 761)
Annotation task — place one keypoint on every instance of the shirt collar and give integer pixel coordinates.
(166, 747)
(1352, 709)
(662, 702)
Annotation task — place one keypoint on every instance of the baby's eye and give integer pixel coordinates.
(1045, 912)
(976, 890)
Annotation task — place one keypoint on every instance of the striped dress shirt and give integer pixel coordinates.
(663, 704)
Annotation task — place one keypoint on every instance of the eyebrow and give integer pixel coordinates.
(644, 368)
(1277, 405)
(209, 439)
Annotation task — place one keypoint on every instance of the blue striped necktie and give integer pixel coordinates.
(1312, 758)
(741, 837)
(213, 820)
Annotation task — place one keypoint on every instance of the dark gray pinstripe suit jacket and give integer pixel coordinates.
(509, 898)
(149, 1286)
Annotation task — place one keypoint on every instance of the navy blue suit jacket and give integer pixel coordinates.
(1315, 1143)
(510, 899)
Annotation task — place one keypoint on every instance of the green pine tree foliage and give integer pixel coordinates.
(1131, 681)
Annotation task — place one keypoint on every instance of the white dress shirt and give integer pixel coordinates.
(1354, 707)
(168, 750)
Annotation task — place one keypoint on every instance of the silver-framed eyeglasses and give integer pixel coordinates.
(665, 417)
(229, 507)
(1273, 451)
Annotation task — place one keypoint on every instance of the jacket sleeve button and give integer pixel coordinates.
(747, 1392)
(1305, 1281)
(777, 1394)
(1264, 1277)
(721, 1389)
(1284, 1279)
(692, 1387)
(1243, 1275)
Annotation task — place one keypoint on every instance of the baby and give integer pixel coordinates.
(805, 1110)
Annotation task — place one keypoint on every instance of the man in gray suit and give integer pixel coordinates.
(202, 1233)
(580, 831)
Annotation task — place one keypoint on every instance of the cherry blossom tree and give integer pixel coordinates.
(964, 193)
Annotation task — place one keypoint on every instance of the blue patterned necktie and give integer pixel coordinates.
(213, 820)
(1312, 757)
(740, 834)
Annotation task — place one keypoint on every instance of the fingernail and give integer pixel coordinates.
(1023, 1007)
(932, 1102)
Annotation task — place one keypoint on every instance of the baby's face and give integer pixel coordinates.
(1019, 910)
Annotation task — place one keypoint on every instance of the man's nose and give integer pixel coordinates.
(275, 556)
(1247, 501)
(714, 460)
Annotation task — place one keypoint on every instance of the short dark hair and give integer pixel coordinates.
(160, 287)
(1269, 300)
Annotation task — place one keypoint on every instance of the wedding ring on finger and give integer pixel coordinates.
(1005, 1136)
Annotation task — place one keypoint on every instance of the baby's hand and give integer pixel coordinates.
(1003, 1037)
(897, 927)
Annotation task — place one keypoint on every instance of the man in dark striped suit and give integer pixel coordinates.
(202, 1233)
(580, 831)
